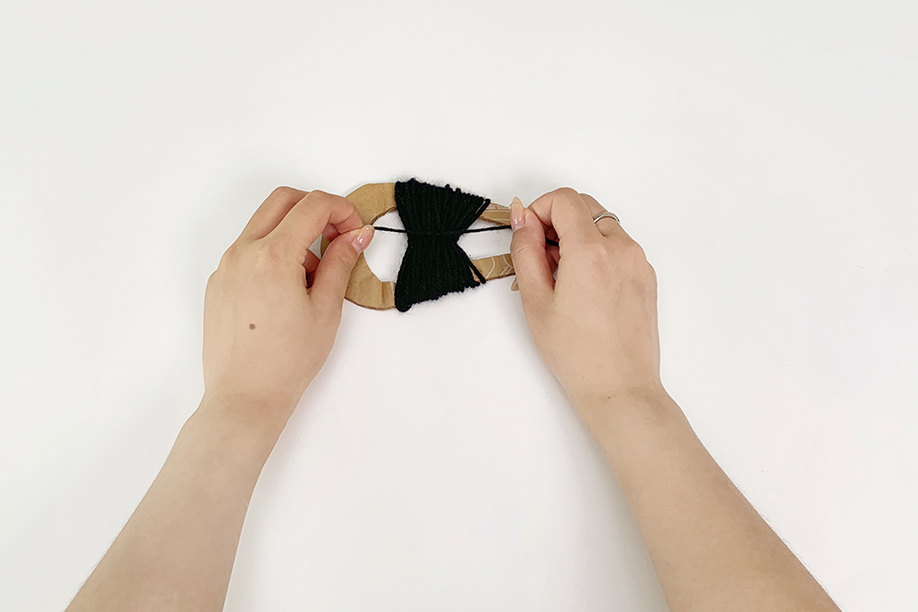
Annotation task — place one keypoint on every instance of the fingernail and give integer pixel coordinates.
(517, 213)
(515, 286)
(362, 238)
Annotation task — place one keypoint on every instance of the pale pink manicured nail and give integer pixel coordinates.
(362, 238)
(517, 218)
(515, 286)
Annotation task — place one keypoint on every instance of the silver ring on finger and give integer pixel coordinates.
(604, 214)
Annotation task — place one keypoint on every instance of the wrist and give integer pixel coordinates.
(616, 408)
(249, 421)
(612, 398)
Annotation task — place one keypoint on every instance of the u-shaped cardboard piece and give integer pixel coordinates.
(373, 201)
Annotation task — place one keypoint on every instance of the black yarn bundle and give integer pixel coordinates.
(434, 264)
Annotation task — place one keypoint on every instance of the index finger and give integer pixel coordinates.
(270, 213)
(565, 210)
(308, 218)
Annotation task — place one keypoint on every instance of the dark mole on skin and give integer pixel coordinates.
(251, 326)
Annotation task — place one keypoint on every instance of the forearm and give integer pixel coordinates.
(710, 548)
(176, 552)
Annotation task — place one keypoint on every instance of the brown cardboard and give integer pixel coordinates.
(373, 201)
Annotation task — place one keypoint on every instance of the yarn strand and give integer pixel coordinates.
(468, 231)
(394, 230)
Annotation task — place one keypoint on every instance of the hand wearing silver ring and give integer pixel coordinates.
(593, 316)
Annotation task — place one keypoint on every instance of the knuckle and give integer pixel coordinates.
(517, 243)
(211, 280)
(341, 253)
(318, 195)
(334, 261)
(567, 194)
(229, 257)
(520, 248)
(635, 259)
(284, 192)
(630, 253)
(635, 251)
(320, 202)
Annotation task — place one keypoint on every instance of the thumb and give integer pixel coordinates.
(335, 267)
(530, 258)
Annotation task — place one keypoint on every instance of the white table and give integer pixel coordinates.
(764, 157)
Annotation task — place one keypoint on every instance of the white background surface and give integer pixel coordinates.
(764, 156)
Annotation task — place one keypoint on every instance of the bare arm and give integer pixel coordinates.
(271, 314)
(710, 548)
(596, 327)
(176, 551)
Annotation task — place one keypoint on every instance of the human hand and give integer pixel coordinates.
(272, 308)
(596, 325)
